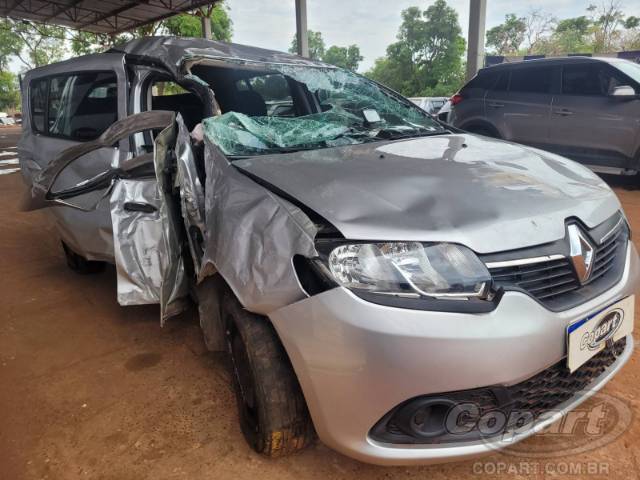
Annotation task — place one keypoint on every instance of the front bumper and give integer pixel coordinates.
(356, 360)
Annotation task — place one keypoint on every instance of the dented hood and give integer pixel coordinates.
(486, 194)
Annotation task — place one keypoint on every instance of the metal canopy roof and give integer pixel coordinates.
(98, 16)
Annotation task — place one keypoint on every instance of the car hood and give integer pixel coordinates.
(487, 194)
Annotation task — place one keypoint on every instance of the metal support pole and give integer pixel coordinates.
(302, 34)
(206, 27)
(475, 48)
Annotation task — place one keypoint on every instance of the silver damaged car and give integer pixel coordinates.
(378, 278)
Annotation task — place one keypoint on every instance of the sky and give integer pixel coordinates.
(371, 24)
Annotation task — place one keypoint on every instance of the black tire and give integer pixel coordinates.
(272, 410)
(80, 264)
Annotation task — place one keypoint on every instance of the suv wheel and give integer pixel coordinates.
(273, 413)
(80, 264)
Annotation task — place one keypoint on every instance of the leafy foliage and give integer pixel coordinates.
(507, 37)
(34, 45)
(9, 91)
(316, 45)
(427, 58)
(345, 57)
(188, 25)
(604, 28)
(84, 43)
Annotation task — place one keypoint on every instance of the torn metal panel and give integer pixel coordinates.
(191, 193)
(252, 236)
(137, 226)
(42, 193)
(173, 282)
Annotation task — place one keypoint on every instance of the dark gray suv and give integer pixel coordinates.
(584, 108)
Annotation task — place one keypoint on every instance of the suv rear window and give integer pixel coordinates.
(485, 80)
(532, 80)
(78, 107)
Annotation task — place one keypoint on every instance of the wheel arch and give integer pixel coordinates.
(475, 125)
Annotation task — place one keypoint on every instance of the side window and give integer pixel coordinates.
(272, 89)
(168, 95)
(589, 80)
(78, 107)
(38, 101)
(532, 80)
(164, 89)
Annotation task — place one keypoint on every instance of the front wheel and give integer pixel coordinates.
(273, 413)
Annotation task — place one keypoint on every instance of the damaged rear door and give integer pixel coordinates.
(67, 104)
(146, 224)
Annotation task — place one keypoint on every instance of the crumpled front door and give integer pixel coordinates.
(146, 224)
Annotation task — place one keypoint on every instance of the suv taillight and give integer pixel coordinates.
(456, 99)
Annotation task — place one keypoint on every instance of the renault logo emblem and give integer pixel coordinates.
(582, 253)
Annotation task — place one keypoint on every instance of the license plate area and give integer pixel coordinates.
(590, 335)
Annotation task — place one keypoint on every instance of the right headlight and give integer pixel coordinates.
(434, 270)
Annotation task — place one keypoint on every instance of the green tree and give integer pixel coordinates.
(316, 45)
(345, 57)
(34, 44)
(190, 24)
(631, 22)
(427, 58)
(506, 38)
(631, 35)
(571, 35)
(84, 43)
(607, 18)
(9, 91)
(9, 43)
(183, 25)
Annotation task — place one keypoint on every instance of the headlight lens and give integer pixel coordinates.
(410, 268)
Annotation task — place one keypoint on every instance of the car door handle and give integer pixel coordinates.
(496, 105)
(564, 112)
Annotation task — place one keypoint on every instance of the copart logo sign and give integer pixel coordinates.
(594, 423)
(603, 331)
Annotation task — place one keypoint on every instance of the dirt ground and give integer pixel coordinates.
(89, 389)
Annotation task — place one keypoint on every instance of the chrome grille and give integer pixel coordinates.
(547, 273)
(542, 280)
(606, 254)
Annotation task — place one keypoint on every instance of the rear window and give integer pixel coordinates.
(78, 107)
(532, 80)
(485, 80)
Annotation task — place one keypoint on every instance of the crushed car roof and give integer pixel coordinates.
(171, 51)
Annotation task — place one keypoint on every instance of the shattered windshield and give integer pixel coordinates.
(288, 108)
